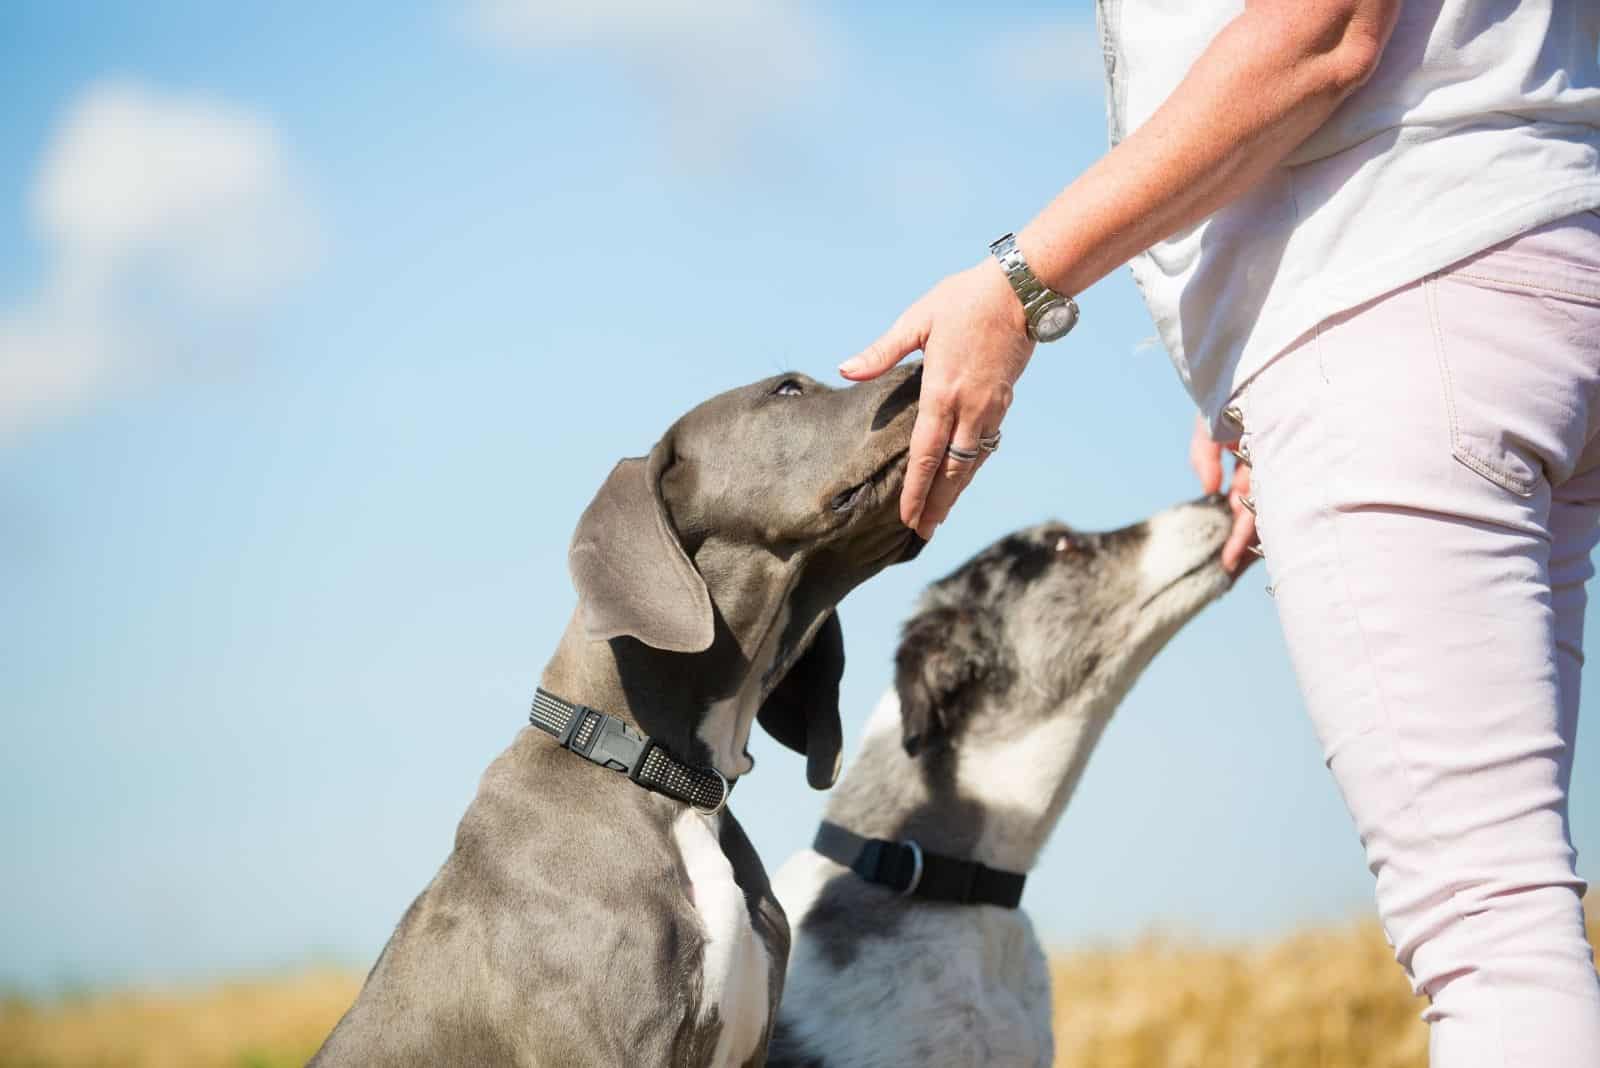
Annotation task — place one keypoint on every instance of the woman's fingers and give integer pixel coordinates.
(908, 334)
(936, 421)
(1205, 456)
(963, 455)
(1235, 554)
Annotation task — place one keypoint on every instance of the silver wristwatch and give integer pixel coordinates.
(1050, 315)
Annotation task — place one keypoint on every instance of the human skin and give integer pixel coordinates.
(1268, 80)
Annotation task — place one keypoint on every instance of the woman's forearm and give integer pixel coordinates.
(1265, 84)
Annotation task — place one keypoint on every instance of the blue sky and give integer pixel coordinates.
(320, 325)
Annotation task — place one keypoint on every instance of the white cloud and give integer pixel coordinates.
(1063, 54)
(717, 67)
(165, 220)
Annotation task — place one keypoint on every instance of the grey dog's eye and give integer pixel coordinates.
(788, 388)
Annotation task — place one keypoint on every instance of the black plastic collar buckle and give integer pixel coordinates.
(617, 746)
(613, 745)
(895, 865)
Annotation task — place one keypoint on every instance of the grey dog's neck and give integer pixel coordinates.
(593, 673)
(699, 707)
(994, 800)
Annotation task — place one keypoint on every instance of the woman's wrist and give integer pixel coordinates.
(1049, 252)
(1000, 297)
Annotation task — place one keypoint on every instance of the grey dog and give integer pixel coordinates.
(1007, 674)
(582, 919)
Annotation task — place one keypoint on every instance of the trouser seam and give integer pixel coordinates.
(1531, 287)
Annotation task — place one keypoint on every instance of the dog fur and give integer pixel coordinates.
(581, 920)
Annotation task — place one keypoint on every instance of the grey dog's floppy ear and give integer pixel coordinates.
(632, 575)
(802, 712)
(944, 654)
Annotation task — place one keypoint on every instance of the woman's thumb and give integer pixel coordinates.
(898, 343)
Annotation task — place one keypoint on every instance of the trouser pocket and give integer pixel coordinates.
(1513, 336)
(1478, 439)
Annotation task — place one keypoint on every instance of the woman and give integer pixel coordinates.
(1366, 232)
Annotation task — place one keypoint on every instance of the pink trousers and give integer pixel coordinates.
(1426, 470)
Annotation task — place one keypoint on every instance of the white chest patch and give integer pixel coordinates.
(734, 971)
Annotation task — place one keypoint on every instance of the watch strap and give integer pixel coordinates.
(1023, 281)
(1034, 294)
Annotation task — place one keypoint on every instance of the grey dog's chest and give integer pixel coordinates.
(586, 924)
(671, 907)
(668, 964)
(738, 965)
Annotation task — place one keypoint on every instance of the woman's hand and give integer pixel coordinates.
(1205, 456)
(974, 340)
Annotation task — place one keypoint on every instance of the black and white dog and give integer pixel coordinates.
(908, 948)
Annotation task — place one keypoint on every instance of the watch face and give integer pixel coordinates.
(1055, 321)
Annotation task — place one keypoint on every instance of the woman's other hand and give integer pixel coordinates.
(1205, 456)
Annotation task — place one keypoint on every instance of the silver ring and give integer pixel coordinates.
(966, 456)
(916, 868)
(990, 442)
(722, 802)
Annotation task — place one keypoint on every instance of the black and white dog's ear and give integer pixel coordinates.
(632, 575)
(802, 712)
(944, 653)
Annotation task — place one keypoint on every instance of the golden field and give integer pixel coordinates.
(1320, 999)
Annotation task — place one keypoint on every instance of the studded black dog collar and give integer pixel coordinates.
(612, 743)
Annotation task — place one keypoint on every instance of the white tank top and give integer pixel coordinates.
(1481, 121)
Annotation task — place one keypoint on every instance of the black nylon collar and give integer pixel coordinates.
(911, 871)
(612, 743)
